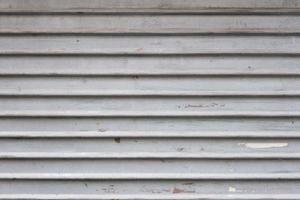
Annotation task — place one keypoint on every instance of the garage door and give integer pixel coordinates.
(141, 99)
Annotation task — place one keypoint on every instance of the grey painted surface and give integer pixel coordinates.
(149, 99)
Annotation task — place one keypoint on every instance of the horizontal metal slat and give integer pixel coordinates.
(151, 65)
(153, 106)
(150, 24)
(168, 166)
(149, 45)
(131, 6)
(150, 145)
(150, 134)
(143, 86)
(162, 187)
(145, 124)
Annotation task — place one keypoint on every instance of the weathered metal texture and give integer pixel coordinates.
(149, 99)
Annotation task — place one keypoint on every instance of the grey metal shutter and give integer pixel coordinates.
(160, 99)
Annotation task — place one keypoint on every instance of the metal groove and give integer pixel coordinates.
(148, 176)
(151, 12)
(254, 32)
(151, 74)
(212, 53)
(149, 196)
(156, 93)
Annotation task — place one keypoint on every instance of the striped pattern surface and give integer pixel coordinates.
(149, 99)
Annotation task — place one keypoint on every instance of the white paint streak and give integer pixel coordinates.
(232, 189)
(264, 145)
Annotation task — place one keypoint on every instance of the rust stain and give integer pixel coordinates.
(139, 49)
(177, 190)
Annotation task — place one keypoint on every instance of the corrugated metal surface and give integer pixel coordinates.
(149, 99)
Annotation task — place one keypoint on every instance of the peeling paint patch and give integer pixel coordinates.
(264, 145)
(231, 189)
(177, 190)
